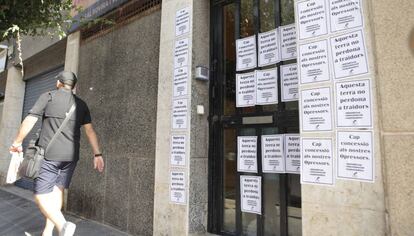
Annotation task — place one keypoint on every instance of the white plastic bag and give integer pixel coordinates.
(12, 173)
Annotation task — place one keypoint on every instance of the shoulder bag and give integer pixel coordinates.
(35, 155)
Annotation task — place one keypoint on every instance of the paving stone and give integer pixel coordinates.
(20, 216)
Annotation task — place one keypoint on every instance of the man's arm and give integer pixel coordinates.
(24, 129)
(35, 113)
(93, 140)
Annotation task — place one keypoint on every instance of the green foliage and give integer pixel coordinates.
(34, 17)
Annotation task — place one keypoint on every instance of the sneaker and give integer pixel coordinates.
(68, 229)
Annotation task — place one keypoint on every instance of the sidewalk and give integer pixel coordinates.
(19, 216)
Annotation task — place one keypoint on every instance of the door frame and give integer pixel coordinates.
(282, 119)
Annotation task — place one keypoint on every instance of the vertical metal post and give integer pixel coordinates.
(238, 112)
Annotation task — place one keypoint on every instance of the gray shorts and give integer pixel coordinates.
(54, 173)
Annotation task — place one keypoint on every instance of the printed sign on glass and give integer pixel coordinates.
(345, 14)
(269, 52)
(355, 160)
(311, 18)
(180, 83)
(292, 153)
(316, 108)
(266, 86)
(288, 42)
(314, 62)
(179, 114)
(177, 187)
(181, 53)
(246, 89)
(349, 55)
(353, 104)
(289, 77)
(246, 53)
(247, 154)
(273, 160)
(251, 194)
(178, 147)
(182, 21)
(317, 161)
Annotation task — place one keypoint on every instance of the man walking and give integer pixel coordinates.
(61, 158)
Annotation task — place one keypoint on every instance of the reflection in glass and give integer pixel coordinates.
(294, 205)
(267, 23)
(247, 29)
(230, 181)
(287, 12)
(292, 105)
(270, 108)
(267, 15)
(288, 17)
(249, 225)
(246, 18)
(271, 203)
(271, 197)
(270, 130)
(229, 59)
(248, 132)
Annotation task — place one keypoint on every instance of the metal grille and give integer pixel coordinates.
(34, 88)
(126, 13)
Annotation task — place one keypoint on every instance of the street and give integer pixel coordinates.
(20, 216)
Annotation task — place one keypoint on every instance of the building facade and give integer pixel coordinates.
(235, 117)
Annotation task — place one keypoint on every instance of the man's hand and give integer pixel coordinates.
(16, 147)
(98, 163)
(24, 129)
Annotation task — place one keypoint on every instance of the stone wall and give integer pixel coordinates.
(189, 218)
(393, 27)
(118, 78)
(11, 117)
(350, 207)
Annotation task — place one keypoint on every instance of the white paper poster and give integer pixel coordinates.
(273, 160)
(353, 104)
(246, 53)
(269, 52)
(345, 14)
(292, 153)
(317, 161)
(251, 194)
(316, 109)
(288, 42)
(266, 86)
(314, 62)
(178, 150)
(181, 53)
(349, 55)
(247, 154)
(180, 84)
(177, 187)
(355, 160)
(290, 80)
(311, 18)
(246, 89)
(179, 114)
(182, 21)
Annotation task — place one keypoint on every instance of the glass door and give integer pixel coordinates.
(280, 198)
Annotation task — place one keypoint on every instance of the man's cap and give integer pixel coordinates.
(68, 78)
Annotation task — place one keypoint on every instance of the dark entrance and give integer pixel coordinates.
(281, 196)
(35, 87)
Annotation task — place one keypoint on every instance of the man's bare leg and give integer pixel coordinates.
(48, 230)
(50, 205)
